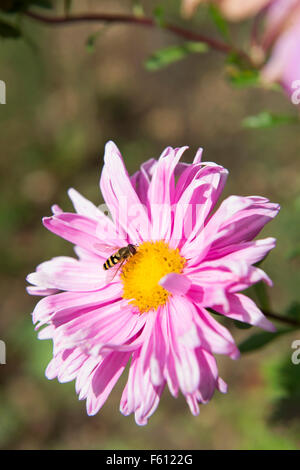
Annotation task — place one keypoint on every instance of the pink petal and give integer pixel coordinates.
(238, 220)
(74, 301)
(214, 337)
(96, 328)
(126, 208)
(283, 65)
(249, 252)
(208, 375)
(37, 290)
(139, 395)
(79, 230)
(56, 209)
(181, 359)
(141, 180)
(176, 283)
(65, 273)
(245, 224)
(85, 207)
(104, 379)
(195, 201)
(161, 193)
(254, 275)
(242, 308)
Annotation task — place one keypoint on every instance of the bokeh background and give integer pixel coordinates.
(64, 102)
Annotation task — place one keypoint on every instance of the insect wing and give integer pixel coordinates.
(112, 272)
(104, 249)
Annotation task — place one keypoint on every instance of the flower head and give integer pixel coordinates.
(234, 10)
(153, 312)
(282, 35)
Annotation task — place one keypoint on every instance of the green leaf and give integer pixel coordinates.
(220, 22)
(211, 310)
(159, 16)
(294, 310)
(8, 30)
(241, 325)
(233, 58)
(91, 40)
(261, 293)
(15, 6)
(137, 8)
(42, 3)
(259, 340)
(169, 55)
(242, 78)
(293, 253)
(239, 72)
(283, 380)
(67, 6)
(266, 119)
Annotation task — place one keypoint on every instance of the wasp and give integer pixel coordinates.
(115, 261)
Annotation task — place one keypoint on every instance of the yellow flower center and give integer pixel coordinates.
(142, 272)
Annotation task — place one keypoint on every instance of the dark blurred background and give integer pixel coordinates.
(64, 102)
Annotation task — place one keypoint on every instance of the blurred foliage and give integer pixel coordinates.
(261, 291)
(171, 54)
(17, 6)
(9, 31)
(159, 15)
(242, 78)
(260, 340)
(267, 119)
(221, 24)
(284, 384)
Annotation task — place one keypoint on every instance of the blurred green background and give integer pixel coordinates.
(63, 103)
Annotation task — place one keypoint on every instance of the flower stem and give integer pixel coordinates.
(142, 21)
(284, 319)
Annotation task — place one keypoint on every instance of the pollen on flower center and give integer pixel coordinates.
(142, 272)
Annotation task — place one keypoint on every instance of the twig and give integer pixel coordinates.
(137, 20)
(282, 318)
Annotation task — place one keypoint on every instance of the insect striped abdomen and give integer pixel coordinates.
(111, 261)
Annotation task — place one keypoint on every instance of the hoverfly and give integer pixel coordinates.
(115, 261)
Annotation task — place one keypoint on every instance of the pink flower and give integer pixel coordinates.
(282, 37)
(190, 6)
(237, 10)
(234, 10)
(154, 311)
